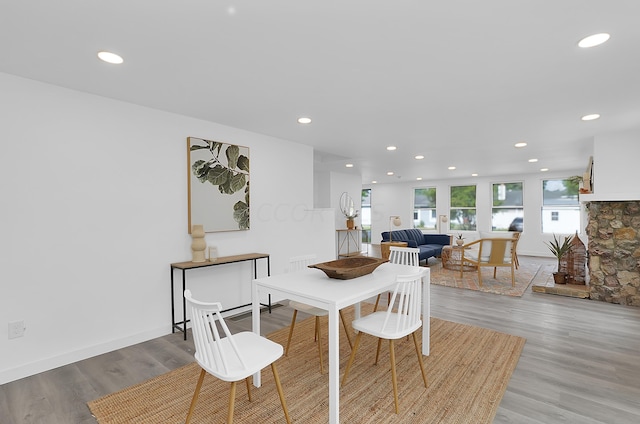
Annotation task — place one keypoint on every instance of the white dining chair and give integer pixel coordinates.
(402, 256)
(297, 263)
(229, 357)
(394, 324)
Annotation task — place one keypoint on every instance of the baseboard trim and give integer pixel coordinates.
(46, 364)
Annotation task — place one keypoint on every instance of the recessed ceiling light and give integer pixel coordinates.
(590, 117)
(419, 157)
(390, 173)
(533, 160)
(474, 175)
(304, 120)
(110, 57)
(594, 40)
(520, 144)
(451, 168)
(349, 165)
(419, 178)
(544, 169)
(391, 148)
(374, 182)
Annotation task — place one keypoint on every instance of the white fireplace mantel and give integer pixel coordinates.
(610, 197)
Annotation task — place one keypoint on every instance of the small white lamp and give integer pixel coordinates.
(441, 220)
(393, 220)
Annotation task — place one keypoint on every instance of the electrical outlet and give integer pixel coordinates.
(16, 329)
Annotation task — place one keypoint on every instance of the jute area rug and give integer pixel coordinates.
(524, 275)
(468, 371)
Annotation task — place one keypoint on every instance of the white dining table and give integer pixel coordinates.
(313, 287)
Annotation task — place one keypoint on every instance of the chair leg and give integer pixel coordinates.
(194, 399)
(276, 377)
(232, 402)
(415, 342)
(246, 380)
(480, 275)
(375, 307)
(351, 358)
(319, 342)
(346, 329)
(513, 276)
(378, 350)
(293, 323)
(394, 378)
(495, 268)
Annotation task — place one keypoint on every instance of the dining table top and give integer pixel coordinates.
(314, 286)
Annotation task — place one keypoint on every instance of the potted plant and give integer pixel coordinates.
(559, 249)
(350, 219)
(459, 239)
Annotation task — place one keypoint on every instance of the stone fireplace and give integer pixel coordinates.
(613, 231)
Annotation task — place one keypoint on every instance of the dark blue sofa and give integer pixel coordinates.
(429, 244)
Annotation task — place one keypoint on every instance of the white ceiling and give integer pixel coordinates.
(459, 81)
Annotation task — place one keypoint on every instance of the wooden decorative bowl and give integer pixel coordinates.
(348, 268)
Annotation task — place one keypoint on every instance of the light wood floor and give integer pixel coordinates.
(581, 362)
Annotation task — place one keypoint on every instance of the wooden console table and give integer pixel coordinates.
(348, 237)
(184, 266)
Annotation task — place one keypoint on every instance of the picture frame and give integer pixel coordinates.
(218, 185)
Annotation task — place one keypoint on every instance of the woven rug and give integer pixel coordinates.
(499, 285)
(468, 371)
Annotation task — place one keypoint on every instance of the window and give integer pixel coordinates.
(462, 214)
(365, 218)
(560, 206)
(424, 208)
(507, 212)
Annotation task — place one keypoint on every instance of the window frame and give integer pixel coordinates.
(433, 209)
(514, 207)
(572, 206)
(471, 209)
(366, 226)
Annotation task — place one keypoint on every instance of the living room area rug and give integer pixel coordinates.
(525, 274)
(468, 371)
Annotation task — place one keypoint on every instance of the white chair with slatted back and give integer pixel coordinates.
(229, 357)
(402, 256)
(394, 324)
(296, 264)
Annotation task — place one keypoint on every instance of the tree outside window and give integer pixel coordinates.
(508, 210)
(462, 213)
(424, 208)
(560, 206)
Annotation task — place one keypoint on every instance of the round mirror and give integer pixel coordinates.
(346, 205)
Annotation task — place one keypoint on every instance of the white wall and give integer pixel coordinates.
(346, 242)
(94, 209)
(321, 189)
(340, 183)
(615, 168)
(397, 199)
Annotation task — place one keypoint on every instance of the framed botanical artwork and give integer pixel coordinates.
(218, 185)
